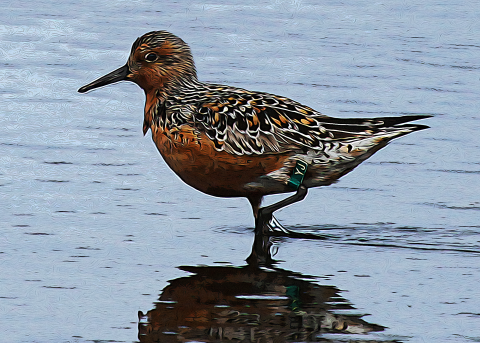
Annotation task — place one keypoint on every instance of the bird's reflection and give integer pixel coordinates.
(257, 302)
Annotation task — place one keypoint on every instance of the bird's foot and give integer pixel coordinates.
(267, 224)
(275, 226)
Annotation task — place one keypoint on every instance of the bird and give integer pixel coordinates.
(231, 142)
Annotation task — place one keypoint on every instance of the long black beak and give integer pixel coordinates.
(115, 76)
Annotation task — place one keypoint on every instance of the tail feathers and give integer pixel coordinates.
(411, 127)
(349, 128)
(394, 121)
(378, 121)
(392, 124)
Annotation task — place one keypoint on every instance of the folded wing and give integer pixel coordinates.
(257, 123)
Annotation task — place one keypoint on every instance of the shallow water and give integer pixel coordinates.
(94, 225)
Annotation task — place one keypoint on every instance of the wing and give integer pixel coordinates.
(242, 122)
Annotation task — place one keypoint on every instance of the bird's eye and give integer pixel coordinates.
(151, 57)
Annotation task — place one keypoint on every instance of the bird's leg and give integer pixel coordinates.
(255, 201)
(261, 251)
(265, 221)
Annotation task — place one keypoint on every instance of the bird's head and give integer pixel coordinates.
(158, 61)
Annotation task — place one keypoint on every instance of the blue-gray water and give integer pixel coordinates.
(94, 224)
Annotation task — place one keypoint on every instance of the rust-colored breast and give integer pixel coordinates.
(192, 156)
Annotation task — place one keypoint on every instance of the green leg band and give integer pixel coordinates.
(298, 174)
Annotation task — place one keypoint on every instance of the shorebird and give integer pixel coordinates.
(231, 142)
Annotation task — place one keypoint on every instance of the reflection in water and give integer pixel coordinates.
(253, 303)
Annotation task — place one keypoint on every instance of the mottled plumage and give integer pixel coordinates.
(228, 141)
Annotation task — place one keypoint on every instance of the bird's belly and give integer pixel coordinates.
(192, 156)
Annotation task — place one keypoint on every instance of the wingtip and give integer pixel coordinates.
(423, 116)
(396, 121)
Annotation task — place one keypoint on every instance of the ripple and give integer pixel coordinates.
(54, 181)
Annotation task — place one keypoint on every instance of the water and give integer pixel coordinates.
(94, 224)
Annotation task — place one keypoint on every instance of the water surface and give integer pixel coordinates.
(95, 227)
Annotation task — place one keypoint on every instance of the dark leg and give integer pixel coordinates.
(265, 221)
(261, 251)
(255, 201)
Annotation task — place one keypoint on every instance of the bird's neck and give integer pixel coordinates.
(156, 97)
(173, 86)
